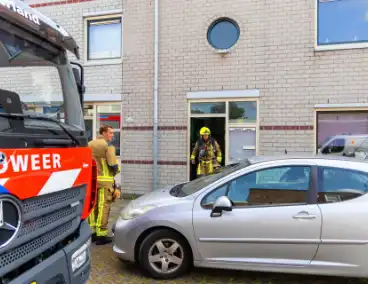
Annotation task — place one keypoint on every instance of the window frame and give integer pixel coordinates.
(340, 108)
(311, 196)
(211, 114)
(217, 21)
(94, 118)
(104, 61)
(228, 125)
(336, 46)
(319, 171)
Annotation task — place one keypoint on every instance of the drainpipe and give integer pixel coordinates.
(155, 101)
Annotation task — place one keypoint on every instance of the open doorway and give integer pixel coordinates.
(217, 127)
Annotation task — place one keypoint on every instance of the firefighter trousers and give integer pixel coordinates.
(99, 217)
(206, 167)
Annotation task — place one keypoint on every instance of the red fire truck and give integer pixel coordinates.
(47, 177)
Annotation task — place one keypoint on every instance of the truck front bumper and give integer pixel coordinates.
(70, 265)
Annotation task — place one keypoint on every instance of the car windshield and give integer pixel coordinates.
(41, 76)
(199, 183)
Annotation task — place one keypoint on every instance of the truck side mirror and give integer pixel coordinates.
(78, 74)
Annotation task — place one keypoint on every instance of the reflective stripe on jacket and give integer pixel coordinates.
(105, 158)
(213, 151)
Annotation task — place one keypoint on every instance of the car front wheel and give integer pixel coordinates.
(164, 254)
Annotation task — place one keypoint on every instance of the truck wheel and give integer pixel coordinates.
(164, 254)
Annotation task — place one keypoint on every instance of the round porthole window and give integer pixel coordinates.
(223, 33)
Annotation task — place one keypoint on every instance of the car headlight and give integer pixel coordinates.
(130, 213)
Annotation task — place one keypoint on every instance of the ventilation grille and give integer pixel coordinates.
(27, 248)
(42, 202)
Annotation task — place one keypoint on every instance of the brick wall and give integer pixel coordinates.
(275, 54)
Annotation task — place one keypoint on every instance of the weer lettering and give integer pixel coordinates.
(31, 162)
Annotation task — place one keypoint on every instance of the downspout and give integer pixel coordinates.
(155, 101)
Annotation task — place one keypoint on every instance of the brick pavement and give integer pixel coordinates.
(106, 269)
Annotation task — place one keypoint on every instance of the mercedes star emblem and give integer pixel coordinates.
(10, 221)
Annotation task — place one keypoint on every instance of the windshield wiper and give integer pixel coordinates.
(43, 118)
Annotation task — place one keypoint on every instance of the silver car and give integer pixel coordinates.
(279, 214)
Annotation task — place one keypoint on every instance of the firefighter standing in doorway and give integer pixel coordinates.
(107, 166)
(208, 152)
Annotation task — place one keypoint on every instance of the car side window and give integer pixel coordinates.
(335, 146)
(274, 186)
(210, 199)
(337, 184)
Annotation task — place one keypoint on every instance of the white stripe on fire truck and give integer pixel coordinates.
(60, 180)
(3, 181)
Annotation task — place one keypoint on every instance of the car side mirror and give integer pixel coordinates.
(223, 203)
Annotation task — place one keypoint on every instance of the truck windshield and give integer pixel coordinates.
(43, 79)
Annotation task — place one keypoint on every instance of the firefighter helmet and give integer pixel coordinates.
(205, 131)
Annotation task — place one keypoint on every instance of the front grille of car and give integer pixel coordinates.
(46, 221)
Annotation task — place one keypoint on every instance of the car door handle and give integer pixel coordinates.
(304, 216)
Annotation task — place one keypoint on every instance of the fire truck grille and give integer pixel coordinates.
(47, 221)
(33, 245)
(35, 204)
(41, 222)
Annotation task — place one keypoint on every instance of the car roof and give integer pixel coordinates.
(265, 159)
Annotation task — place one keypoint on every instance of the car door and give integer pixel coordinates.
(271, 221)
(342, 198)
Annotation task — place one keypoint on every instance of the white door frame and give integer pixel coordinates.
(227, 124)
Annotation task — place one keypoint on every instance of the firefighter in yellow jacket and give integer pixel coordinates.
(108, 167)
(208, 152)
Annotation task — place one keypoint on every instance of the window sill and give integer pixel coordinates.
(103, 62)
(346, 46)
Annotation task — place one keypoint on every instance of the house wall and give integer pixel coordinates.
(275, 54)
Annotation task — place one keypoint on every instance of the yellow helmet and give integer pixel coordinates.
(205, 131)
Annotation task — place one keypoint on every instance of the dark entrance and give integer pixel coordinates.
(217, 127)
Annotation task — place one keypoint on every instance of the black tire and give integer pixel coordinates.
(150, 240)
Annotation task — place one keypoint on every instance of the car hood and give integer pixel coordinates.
(157, 197)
